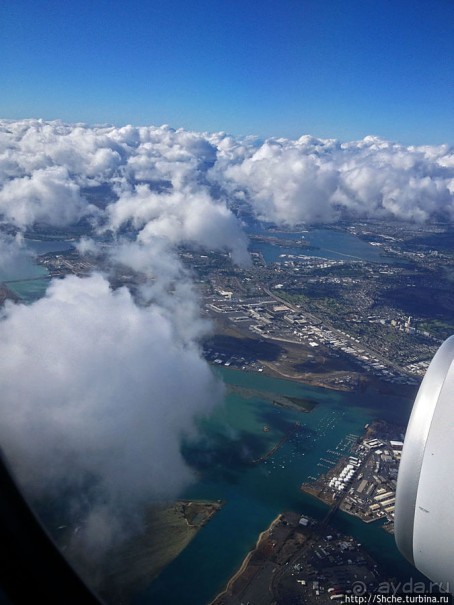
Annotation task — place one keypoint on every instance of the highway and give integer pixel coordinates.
(336, 333)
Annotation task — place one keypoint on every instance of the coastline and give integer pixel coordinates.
(312, 380)
(244, 565)
(321, 490)
(299, 560)
(168, 530)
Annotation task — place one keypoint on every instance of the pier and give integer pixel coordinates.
(278, 445)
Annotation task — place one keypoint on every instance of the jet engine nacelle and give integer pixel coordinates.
(424, 514)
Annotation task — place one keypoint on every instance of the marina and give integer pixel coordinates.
(255, 495)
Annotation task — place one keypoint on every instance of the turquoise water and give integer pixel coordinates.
(256, 494)
(31, 280)
(30, 290)
(332, 245)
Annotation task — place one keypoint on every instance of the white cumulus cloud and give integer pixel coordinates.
(98, 391)
(98, 387)
(311, 180)
(46, 196)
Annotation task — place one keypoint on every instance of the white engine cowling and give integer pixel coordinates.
(424, 514)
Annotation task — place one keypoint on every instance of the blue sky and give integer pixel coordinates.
(271, 68)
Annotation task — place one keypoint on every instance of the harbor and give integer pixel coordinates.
(255, 495)
(364, 482)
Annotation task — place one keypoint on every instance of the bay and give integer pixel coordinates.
(255, 494)
(30, 280)
(322, 243)
(44, 246)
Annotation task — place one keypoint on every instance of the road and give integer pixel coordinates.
(336, 333)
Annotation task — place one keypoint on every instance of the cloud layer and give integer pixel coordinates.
(180, 184)
(98, 387)
(312, 180)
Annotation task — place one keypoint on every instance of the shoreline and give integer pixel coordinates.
(274, 373)
(318, 488)
(244, 565)
(290, 550)
(375, 386)
(338, 373)
(167, 531)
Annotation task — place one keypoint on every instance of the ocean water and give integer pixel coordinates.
(30, 290)
(255, 494)
(30, 280)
